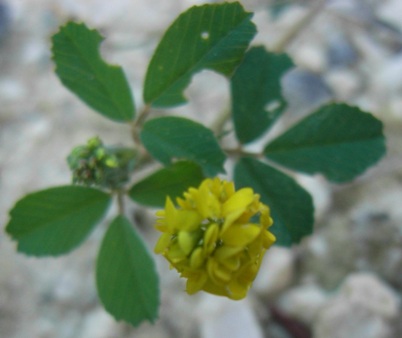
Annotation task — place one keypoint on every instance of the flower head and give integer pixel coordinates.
(95, 164)
(216, 237)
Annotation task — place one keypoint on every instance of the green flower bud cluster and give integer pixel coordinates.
(94, 164)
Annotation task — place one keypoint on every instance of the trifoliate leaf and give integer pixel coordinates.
(56, 220)
(169, 138)
(291, 206)
(256, 92)
(81, 69)
(125, 275)
(171, 181)
(338, 141)
(212, 36)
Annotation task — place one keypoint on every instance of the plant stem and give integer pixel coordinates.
(137, 124)
(280, 46)
(240, 152)
(120, 201)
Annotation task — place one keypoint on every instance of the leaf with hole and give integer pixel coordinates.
(126, 276)
(291, 206)
(338, 141)
(81, 69)
(170, 181)
(54, 221)
(176, 138)
(256, 92)
(211, 36)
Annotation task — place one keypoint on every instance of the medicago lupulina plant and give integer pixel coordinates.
(213, 231)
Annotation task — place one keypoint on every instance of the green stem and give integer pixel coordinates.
(240, 152)
(288, 38)
(120, 201)
(138, 122)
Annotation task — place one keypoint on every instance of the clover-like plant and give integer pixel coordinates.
(214, 231)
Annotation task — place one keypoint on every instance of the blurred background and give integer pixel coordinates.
(344, 281)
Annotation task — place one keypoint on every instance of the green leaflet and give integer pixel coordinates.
(291, 206)
(81, 69)
(338, 141)
(169, 138)
(171, 181)
(256, 92)
(126, 277)
(56, 220)
(212, 36)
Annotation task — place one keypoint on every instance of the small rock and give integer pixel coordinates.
(304, 302)
(276, 331)
(387, 82)
(98, 323)
(341, 52)
(221, 317)
(341, 320)
(322, 256)
(362, 309)
(311, 57)
(4, 20)
(276, 272)
(390, 11)
(319, 189)
(344, 83)
(304, 91)
(12, 89)
(368, 291)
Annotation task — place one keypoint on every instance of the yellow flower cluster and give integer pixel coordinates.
(216, 237)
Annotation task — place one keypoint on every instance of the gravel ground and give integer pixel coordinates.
(344, 281)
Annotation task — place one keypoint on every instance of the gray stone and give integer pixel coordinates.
(304, 302)
(276, 272)
(368, 291)
(304, 91)
(221, 317)
(363, 308)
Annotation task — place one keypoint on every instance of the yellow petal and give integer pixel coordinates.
(265, 217)
(160, 213)
(241, 235)
(240, 200)
(214, 289)
(230, 219)
(212, 267)
(184, 203)
(207, 203)
(187, 240)
(170, 214)
(197, 258)
(196, 282)
(227, 191)
(175, 254)
(222, 274)
(210, 238)
(248, 273)
(236, 290)
(163, 243)
(268, 239)
(187, 220)
(224, 252)
(232, 263)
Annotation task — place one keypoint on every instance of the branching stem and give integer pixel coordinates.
(281, 45)
(137, 124)
(120, 201)
(240, 152)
